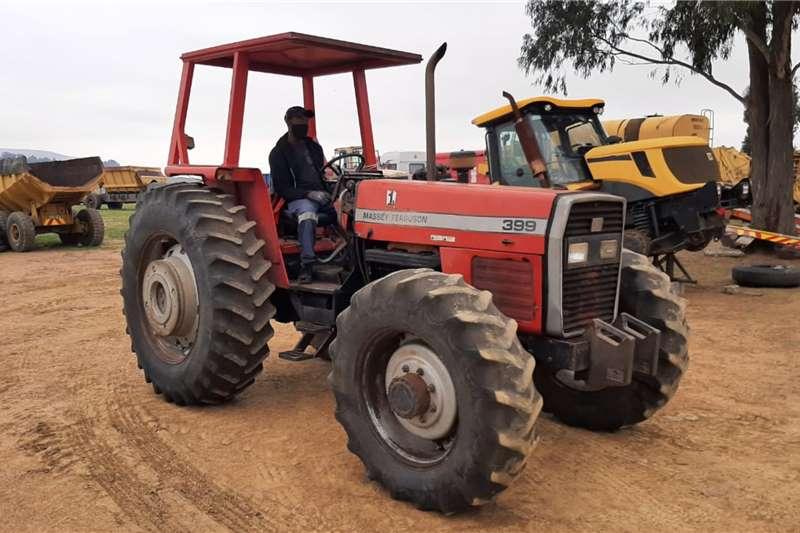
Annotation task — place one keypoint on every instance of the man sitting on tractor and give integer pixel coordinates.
(296, 164)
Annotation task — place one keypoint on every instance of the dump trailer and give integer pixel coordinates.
(669, 183)
(122, 185)
(40, 198)
(449, 311)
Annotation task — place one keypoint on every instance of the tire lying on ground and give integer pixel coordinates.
(645, 293)
(20, 232)
(766, 276)
(433, 389)
(196, 294)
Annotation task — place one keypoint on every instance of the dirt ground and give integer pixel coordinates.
(86, 445)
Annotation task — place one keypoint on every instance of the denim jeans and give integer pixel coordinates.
(307, 213)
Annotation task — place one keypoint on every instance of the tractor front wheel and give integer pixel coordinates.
(434, 390)
(20, 232)
(196, 293)
(645, 293)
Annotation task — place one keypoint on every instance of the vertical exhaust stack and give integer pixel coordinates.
(430, 112)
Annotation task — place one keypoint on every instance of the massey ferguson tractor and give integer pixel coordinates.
(434, 301)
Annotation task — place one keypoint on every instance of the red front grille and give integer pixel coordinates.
(511, 285)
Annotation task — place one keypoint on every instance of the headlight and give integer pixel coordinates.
(578, 252)
(719, 190)
(608, 249)
(745, 188)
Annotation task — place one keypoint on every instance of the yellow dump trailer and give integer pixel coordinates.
(122, 185)
(39, 198)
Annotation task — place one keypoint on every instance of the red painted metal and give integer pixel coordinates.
(298, 54)
(456, 199)
(178, 152)
(462, 260)
(364, 119)
(308, 103)
(251, 190)
(233, 140)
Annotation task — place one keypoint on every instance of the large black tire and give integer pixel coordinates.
(230, 272)
(645, 293)
(93, 201)
(114, 205)
(94, 228)
(766, 276)
(3, 220)
(491, 372)
(637, 241)
(20, 232)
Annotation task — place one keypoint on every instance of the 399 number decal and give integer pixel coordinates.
(521, 225)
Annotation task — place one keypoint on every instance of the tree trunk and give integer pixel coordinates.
(757, 111)
(770, 115)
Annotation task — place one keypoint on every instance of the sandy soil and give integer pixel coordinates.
(86, 445)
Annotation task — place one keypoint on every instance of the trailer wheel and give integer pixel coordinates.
(645, 293)
(93, 201)
(433, 389)
(196, 294)
(93, 227)
(20, 232)
(3, 221)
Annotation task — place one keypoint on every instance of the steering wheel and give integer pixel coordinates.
(581, 148)
(339, 172)
(338, 169)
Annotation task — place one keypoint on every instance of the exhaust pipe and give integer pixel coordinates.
(430, 113)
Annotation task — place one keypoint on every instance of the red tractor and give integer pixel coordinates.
(435, 299)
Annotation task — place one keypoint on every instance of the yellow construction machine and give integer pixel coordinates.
(669, 183)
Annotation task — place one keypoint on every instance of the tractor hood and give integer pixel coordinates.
(662, 167)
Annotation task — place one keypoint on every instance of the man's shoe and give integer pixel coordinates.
(306, 275)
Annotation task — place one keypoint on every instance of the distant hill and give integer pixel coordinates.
(39, 156)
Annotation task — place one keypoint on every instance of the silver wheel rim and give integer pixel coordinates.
(169, 295)
(438, 420)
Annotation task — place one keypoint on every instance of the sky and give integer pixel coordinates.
(101, 78)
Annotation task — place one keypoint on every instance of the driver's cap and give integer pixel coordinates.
(297, 111)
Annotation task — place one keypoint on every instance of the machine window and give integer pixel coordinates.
(563, 140)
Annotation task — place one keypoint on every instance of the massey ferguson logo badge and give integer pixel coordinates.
(391, 197)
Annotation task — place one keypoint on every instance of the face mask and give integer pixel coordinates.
(299, 131)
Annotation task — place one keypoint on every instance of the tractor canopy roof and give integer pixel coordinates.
(503, 113)
(298, 54)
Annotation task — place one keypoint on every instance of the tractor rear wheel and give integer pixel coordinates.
(645, 293)
(196, 293)
(434, 390)
(20, 232)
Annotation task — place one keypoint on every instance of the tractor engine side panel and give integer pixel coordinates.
(493, 236)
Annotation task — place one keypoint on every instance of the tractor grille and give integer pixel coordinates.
(591, 291)
(511, 285)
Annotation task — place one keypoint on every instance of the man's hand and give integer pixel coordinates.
(321, 197)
